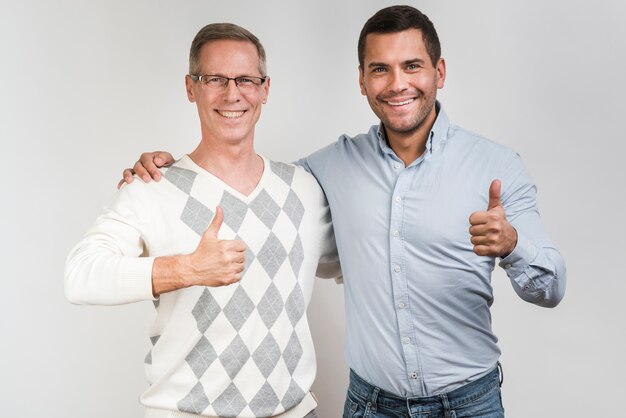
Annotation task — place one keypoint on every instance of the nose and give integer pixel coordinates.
(231, 91)
(398, 81)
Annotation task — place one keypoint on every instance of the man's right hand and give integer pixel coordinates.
(147, 167)
(215, 262)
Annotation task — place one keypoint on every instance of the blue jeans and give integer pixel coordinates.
(478, 399)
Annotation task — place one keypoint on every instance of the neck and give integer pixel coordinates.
(237, 165)
(409, 146)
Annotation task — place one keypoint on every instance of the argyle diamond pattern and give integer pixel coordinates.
(181, 178)
(265, 208)
(292, 353)
(264, 402)
(234, 356)
(234, 211)
(267, 355)
(270, 306)
(230, 403)
(205, 310)
(293, 395)
(296, 256)
(238, 308)
(201, 357)
(295, 305)
(196, 216)
(272, 255)
(196, 400)
(294, 208)
(284, 171)
(153, 340)
(241, 306)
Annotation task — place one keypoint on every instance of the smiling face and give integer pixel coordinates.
(400, 81)
(229, 114)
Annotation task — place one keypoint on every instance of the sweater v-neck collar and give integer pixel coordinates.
(186, 160)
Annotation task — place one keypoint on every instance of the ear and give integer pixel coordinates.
(441, 73)
(361, 82)
(189, 86)
(266, 89)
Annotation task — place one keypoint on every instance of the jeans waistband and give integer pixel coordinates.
(453, 399)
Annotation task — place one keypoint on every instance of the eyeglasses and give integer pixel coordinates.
(244, 82)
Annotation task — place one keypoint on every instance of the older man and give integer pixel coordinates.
(231, 336)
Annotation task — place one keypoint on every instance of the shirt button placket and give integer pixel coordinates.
(399, 278)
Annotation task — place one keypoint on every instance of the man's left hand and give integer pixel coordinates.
(491, 233)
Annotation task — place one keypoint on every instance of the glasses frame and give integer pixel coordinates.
(224, 85)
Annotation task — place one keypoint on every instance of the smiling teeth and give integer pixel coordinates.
(231, 115)
(400, 103)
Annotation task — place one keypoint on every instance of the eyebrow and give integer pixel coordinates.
(406, 62)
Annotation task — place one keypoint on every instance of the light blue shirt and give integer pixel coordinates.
(417, 297)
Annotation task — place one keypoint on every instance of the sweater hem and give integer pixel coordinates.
(305, 406)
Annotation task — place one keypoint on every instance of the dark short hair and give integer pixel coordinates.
(221, 31)
(397, 19)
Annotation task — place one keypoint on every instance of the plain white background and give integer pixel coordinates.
(85, 86)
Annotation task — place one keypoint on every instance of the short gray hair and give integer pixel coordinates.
(221, 31)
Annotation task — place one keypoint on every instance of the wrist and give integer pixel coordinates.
(185, 271)
(170, 273)
(512, 240)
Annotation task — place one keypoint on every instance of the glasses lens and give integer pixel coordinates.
(248, 82)
(215, 81)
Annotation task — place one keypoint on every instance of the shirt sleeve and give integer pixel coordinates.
(329, 266)
(535, 267)
(108, 266)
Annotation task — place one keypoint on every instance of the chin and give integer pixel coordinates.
(403, 128)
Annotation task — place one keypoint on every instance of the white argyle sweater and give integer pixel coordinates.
(242, 350)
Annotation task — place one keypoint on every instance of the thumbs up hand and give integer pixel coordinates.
(491, 233)
(216, 262)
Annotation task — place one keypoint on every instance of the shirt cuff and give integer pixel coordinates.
(516, 263)
(136, 280)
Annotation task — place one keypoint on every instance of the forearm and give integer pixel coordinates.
(170, 273)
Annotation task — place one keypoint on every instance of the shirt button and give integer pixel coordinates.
(527, 287)
(401, 305)
(406, 340)
(396, 233)
(398, 199)
(507, 266)
(413, 375)
(396, 166)
(396, 269)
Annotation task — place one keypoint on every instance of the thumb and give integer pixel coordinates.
(494, 194)
(216, 223)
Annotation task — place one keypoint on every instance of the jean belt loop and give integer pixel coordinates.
(447, 413)
(501, 373)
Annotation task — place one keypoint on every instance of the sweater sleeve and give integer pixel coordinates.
(109, 265)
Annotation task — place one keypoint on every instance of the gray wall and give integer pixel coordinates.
(85, 86)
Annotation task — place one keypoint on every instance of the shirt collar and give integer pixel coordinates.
(436, 138)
